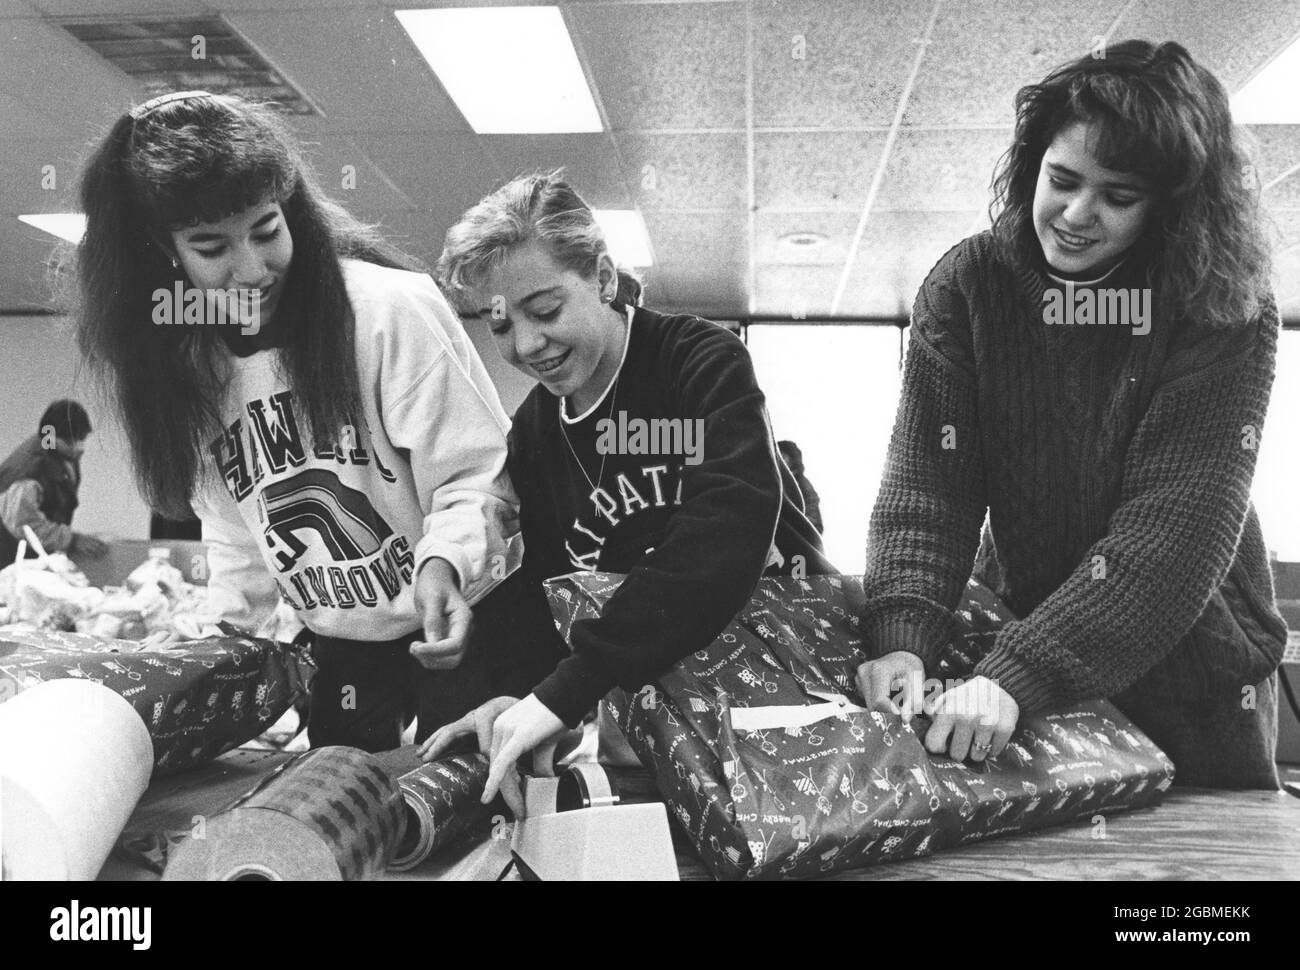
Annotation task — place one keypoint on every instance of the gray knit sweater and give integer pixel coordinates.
(1115, 472)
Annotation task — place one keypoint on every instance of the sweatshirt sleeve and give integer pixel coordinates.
(241, 590)
(925, 528)
(682, 594)
(439, 406)
(21, 506)
(1184, 499)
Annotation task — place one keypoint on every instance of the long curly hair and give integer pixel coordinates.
(201, 158)
(1156, 113)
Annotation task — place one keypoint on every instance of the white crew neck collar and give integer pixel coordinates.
(564, 403)
(1100, 279)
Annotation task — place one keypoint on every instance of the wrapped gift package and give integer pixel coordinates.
(198, 699)
(764, 753)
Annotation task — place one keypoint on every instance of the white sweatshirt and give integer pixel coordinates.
(340, 531)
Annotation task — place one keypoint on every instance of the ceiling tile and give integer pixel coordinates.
(31, 185)
(832, 63)
(836, 228)
(685, 171)
(900, 248)
(357, 65)
(590, 162)
(805, 172)
(111, 8)
(983, 51)
(440, 171)
(679, 65)
(417, 232)
(1284, 194)
(698, 289)
(55, 85)
(1285, 227)
(942, 169)
(716, 241)
(1275, 149)
(1233, 38)
(349, 175)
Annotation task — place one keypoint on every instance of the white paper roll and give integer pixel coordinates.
(75, 758)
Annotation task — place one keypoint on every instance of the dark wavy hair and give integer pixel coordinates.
(540, 206)
(1158, 114)
(201, 158)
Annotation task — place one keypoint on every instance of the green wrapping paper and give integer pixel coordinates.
(441, 806)
(330, 814)
(198, 699)
(811, 795)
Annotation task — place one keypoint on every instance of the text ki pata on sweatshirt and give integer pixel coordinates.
(634, 487)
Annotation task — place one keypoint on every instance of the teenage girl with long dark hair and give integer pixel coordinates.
(330, 422)
(1094, 373)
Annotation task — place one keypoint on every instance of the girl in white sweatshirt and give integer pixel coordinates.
(281, 370)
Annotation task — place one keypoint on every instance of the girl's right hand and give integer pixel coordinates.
(477, 722)
(899, 672)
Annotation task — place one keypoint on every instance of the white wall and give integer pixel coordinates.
(39, 364)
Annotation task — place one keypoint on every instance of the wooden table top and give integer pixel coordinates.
(1192, 834)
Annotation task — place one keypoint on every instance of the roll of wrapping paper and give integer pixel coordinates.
(330, 814)
(75, 758)
(442, 805)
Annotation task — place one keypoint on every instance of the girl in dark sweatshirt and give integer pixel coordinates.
(645, 449)
(1094, 374)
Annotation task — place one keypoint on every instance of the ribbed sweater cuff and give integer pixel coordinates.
(923, 634)
(573, 689)
(1030, 688)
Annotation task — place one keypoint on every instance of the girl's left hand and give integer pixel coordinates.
(447, 617)
(527, 726)
(976, 718)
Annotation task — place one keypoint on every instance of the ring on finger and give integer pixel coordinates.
(980, 747)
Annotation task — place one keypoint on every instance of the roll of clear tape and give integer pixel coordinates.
(75, 758)
(330, 814)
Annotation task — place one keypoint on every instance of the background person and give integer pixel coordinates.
(39, 482)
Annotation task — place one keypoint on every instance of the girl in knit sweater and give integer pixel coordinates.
(1093, 373)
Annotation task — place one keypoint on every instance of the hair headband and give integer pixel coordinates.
(152, 104)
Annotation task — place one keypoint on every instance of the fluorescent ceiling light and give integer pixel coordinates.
(66, 225)
(510, 70)
(625, 232)
(1270, 97)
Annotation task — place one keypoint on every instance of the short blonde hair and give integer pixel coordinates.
(544, 207)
